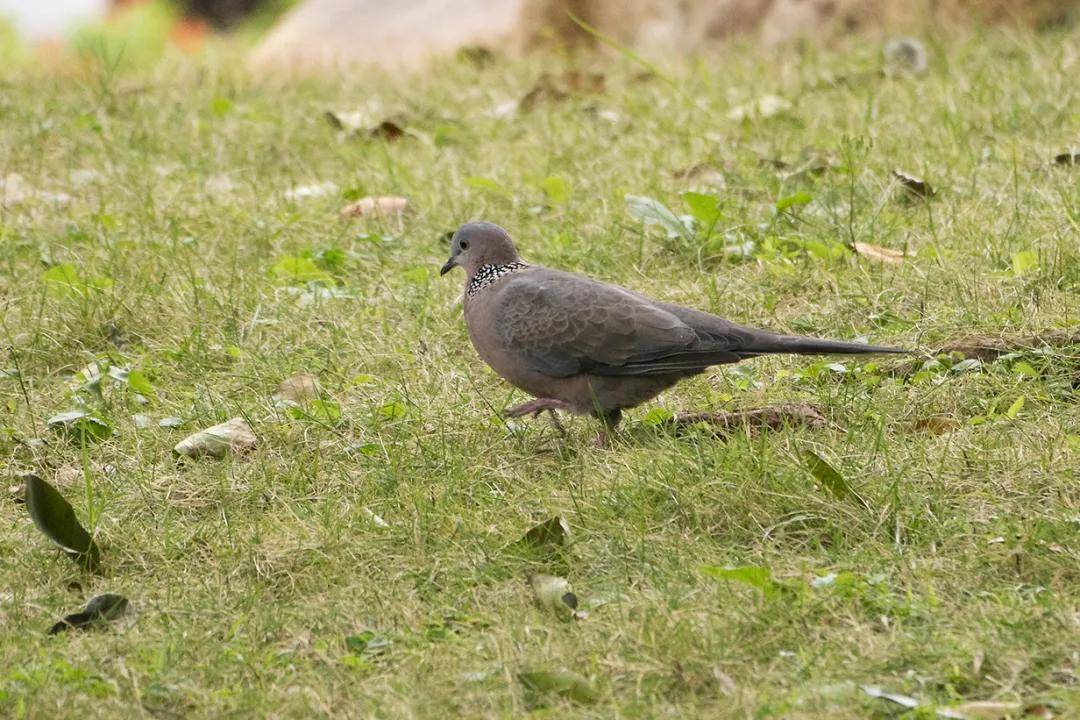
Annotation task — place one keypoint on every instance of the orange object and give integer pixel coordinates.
(189, 34)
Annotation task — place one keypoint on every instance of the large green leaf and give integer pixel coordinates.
(565, 683)
(831, 478)
(55, 517)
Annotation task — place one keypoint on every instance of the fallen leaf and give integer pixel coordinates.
(231, 436)
(367, 644)
(796, 200)
(298, 388)
(357, 123)
(80, 426)
(1024, 262)
(322, 411)
(1014, 409)
(387, 130)
(653, 212)
(751, 575)
(938, 424)
(375, 519)
(701, 173)
(384, 207)
(989, 710)
(552, 533)
(881, 254)
(553, 594)
(313, 190)
(915, 186)
(99, 611)
(55, 517)
(905, 55)
(1067, 158)
(907, 701)
(565, 683)
(830, 477)
(764, 107)
(556, 88)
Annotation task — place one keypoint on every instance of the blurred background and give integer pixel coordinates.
(297, 36)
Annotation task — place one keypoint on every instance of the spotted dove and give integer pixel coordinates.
(588, 347)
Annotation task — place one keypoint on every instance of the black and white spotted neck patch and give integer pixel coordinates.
(488, 274)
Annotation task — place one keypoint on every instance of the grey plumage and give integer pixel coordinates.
(590, 347)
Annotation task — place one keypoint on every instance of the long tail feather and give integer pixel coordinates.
(768, 343)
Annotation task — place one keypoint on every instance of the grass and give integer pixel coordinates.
(248, 576)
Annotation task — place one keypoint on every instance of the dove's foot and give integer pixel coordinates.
(773, 418)
(537, 406)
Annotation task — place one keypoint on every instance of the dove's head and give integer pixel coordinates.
(477, 244)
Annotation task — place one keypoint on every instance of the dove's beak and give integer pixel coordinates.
(450, 265)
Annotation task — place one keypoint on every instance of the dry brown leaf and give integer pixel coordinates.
(298, 388)
(556, 88)
(989, 710)
(881, 254)
(231, 436)
(938, 424)
(914, 185)
(701, 173)
(386, 206)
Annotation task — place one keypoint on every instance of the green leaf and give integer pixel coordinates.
(138, 382)
(1024, 369)
(704, 208)
(657, 417)
(754, 576)
(80, 426)
(564, 683)
(557, 189)
(653, 212)
(367, 644)
(391, 411)
(1024, 262)
(798, 199)
(299, 270)
(64, 280)
(327, 412)
(830, 477)
(100, 610)
(220, 106)
(1015, 408)
(482, 183)
(55, 517)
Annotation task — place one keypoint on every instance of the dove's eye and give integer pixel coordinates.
(464, 244)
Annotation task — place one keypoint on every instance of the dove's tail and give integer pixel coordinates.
(768, 343)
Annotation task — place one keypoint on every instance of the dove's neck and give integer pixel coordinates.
(487, 274)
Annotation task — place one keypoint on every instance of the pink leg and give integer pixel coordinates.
(537, 406)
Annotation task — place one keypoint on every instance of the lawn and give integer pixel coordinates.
(365, 558)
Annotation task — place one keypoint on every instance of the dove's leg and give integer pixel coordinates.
(537, 406)
(610, 420)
